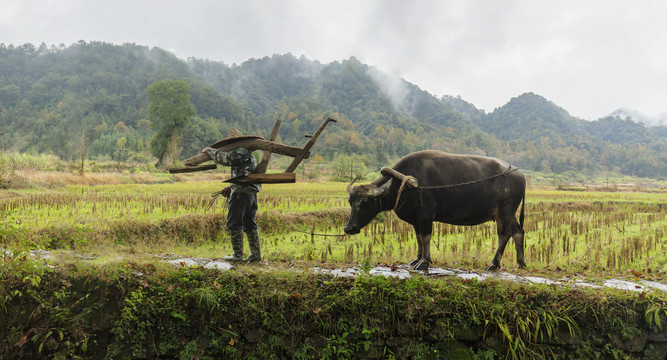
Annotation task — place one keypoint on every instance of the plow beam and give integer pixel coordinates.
(305, 152)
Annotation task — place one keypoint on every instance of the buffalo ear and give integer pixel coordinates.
(381, 190)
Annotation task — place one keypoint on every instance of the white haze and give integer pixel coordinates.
(589, 57)
(639, 117)
(394, 87)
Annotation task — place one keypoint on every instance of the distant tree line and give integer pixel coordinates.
(85, 97)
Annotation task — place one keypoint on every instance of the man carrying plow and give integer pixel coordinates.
(242, 199)
(247, 175)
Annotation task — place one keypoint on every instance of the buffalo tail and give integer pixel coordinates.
(523, 205)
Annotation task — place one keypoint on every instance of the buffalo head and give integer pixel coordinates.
(365, 203)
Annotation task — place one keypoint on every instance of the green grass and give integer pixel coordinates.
(567, 230)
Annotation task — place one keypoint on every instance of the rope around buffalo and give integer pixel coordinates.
(400, 190)
(509, 170)
(420, 188)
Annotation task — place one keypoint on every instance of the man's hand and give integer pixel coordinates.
(226, 191)
(205, 150)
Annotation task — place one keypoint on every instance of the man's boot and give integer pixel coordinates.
(237, 245)
(253, 242)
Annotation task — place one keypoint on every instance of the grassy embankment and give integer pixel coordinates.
(151, 310)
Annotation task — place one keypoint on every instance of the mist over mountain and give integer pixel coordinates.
(639, 117)
(54, 99)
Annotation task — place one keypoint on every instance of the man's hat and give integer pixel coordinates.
(234, 133)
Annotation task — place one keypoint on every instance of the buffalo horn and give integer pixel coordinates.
(349, 187)
(381, 190)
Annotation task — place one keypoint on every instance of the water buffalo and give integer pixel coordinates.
(453, 189)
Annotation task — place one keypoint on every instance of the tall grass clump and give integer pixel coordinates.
(25, 162)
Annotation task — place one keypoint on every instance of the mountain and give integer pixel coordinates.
(543, 136)
(63, 100)
(468, 110)
(530, 117)
(638, 117)
(376, 112)
(349, 88)
(53, 99)
(618, 131)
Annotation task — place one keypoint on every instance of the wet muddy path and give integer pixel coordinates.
(405, 272)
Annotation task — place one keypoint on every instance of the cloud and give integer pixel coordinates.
(589, 57)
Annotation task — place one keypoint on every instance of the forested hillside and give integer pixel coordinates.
(65, 100)
(543, 136)
(376, 112)
(79, 100)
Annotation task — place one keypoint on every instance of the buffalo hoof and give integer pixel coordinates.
(421, 265)
(492, 267)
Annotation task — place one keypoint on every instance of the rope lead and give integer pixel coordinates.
(400, 189)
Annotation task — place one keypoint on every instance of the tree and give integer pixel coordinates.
(120, 144)
(347, 167)
(198, 134)
(83, 149)
(380, 157)
(169, 110)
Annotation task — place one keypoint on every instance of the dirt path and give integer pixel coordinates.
(405, 272)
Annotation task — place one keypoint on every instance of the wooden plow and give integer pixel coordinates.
(259, 176)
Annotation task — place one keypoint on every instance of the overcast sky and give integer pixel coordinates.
(589, 57)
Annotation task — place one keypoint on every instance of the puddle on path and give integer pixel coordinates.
(655, 285)
(220, 265)
(405, 272)
(402, 272)
(623, 285)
